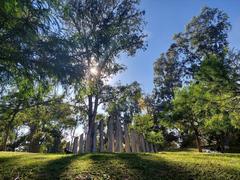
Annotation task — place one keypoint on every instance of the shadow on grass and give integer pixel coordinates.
(54, 169)
(115, 166)
(134, 166)
(151, 166)
(35, 166)
(8, 166)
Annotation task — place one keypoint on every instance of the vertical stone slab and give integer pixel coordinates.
(137, 140)
(75, 145)
(81, 144)
(147, 146)
(110, 135)
(126, 138)
(155, 148)
(94, 148)
(68, 146)
(151, 147)
(133, 141)
(101, 141)
(143, 149)
(119, 136)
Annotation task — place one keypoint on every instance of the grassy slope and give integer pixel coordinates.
(163, 165)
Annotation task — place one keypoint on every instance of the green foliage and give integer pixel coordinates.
(46, 125)
(235, 119)
(201, 62)
(125, 101)
(144, 124)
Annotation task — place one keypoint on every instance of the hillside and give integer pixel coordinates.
(163, 165)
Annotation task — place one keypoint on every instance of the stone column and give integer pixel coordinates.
(132, 141)
(68, 146)
(151, 147)
(126, 138)
(143, 149)
(137, 138)
(101, 141)
(110, 135)
(119, 136)
(81, 144)
(154, 148)
(147, 146)
(75, 145)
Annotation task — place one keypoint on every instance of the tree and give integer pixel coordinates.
(103, 30)
(186, 110)
(125, 102)
(167, 77)
(200, 60)
(206, 34)
(144, 125)
(29, 47)
(46, 124)
(207, 104)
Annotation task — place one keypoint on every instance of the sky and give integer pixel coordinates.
(165, 18)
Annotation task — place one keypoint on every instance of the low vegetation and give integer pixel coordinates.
(162, 165)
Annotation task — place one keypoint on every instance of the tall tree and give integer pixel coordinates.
(167, 77)
(103, 30)
(206, 34)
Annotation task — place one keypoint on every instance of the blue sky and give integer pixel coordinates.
(165, 18)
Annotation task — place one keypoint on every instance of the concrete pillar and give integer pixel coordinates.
(132, 141)
(101, 140)
(68, 146)
(155, 148)
(151, 147)
(75, 145)
(81, 144)
(110, 134)
(126, 138)
(137, 140)
(142, 143)
(147, 146)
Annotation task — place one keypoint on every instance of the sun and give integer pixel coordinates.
(94, 70)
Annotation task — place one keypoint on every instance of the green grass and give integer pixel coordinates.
(163, 165)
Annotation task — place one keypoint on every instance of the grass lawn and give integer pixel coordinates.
(163, 165)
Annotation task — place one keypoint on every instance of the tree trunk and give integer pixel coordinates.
(92, 111)
(198, 140)
(9, 125)
(101, 127)
(197, 136)
(90, 135)
(94, 148)
(4, 143)
(34, 145)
